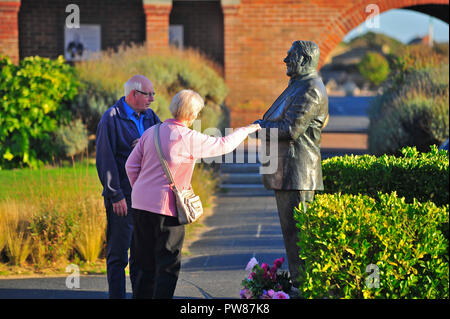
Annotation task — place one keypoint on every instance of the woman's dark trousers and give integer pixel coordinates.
(158, 242)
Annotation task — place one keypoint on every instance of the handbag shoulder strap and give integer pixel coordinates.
(161, 156)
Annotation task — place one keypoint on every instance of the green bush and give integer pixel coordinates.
(341, 235)
(52, 235)
(34, 95)
(415, 175)
(413, 109)
(103, 81)
(91, 103)
(374, 67)
(72, 139)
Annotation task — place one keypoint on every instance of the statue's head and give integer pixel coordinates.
(302, 58)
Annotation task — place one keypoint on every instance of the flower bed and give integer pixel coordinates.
(265, 282)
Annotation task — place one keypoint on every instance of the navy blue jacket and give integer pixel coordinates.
(115, 135)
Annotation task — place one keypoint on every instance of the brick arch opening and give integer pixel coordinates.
(439, 11)
(201, 25)
(41, 24)
(355, 15)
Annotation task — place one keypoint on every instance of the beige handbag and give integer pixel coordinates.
(189, 206)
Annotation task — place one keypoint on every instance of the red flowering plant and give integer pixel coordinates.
(265, 282)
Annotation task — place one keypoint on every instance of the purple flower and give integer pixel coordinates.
(252, 274)
(245, 294)
(265, 295)
(265, 266)
(280, 295)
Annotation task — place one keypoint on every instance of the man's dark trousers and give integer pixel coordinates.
(119, 238)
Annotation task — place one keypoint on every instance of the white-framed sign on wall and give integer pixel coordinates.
(80, 42)
(176, 35)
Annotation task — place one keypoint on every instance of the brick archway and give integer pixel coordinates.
(258, 34)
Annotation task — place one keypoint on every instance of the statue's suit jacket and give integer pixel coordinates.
(299, 114)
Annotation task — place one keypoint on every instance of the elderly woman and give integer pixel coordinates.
(158, 236)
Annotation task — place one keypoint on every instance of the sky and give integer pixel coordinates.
(403, 25)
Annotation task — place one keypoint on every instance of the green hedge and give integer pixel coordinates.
(423, 176)
(378, 213)
(34, 97)
(340, 235)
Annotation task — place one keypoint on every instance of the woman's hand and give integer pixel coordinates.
(253, 128)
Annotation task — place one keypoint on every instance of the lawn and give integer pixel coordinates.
(27, 184)
(54, 216)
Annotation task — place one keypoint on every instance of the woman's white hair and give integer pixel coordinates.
(131, 85)
(186, 105)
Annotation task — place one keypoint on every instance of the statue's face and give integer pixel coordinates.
(293, 62)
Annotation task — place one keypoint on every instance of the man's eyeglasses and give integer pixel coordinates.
(146, 93)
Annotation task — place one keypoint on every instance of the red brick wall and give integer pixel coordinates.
(9, 33)
(41, 24)
(258, 34)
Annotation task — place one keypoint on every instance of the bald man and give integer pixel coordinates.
(118, 131)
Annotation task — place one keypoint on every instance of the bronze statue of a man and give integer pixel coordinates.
(299, 114)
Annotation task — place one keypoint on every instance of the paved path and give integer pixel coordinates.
(241, 227)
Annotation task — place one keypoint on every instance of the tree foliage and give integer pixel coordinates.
(34, 97)
(374, 67)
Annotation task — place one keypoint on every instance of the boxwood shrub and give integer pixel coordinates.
(415, 175)
(347, 240)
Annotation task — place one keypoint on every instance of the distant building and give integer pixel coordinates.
(422, 40)
(426, 39)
